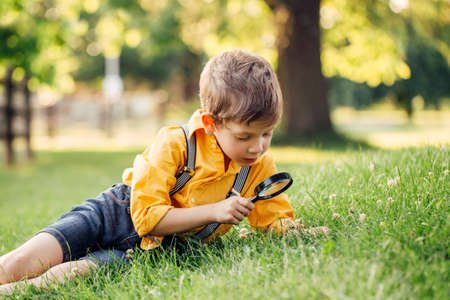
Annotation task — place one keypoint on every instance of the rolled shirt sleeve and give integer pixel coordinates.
(153, 175)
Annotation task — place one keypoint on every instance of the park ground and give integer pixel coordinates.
(385, 201)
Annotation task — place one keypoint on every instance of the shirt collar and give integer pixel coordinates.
(195, 123)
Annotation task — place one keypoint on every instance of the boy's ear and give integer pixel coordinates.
(208, 123)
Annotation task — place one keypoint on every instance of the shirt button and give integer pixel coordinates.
(193, 200)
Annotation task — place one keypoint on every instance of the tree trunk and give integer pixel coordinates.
(9, 115)
(299, 67)
(27, 116)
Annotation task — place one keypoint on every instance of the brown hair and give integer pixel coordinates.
(240, 86)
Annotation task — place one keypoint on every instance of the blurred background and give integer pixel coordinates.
(106, 74)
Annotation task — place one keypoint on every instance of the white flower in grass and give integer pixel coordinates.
(153, 291)
(362, 217)
(430, 174)
(299, 224)
(420, 239)
(371, 166)
(336, 216)
(243, 233)
(390, 200)
(129, 253)
(393, 182)
(319, 230)
(332, 197)
(350, 181)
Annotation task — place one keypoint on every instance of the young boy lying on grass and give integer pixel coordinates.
(241, 104)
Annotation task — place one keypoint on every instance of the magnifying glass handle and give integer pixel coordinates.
(254, 199)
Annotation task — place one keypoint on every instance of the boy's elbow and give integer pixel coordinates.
(145, 220)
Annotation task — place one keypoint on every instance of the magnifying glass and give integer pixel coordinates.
(268, 188)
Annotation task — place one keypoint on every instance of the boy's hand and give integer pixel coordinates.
(232, 210)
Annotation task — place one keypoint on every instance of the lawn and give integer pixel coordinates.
(387, 211)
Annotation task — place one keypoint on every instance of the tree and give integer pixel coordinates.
(299, 65)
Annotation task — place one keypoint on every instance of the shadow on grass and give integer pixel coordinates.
(330, 140)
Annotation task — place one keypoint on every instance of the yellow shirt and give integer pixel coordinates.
(154, 174)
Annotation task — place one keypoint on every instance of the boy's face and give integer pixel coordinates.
(244, 143)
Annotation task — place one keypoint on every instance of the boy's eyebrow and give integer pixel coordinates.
(244, 132)
(235, 132)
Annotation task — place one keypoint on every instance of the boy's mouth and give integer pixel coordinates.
(249, 160)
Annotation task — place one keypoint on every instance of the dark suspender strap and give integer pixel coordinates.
(188, 170)
(240, 179)
(238, 185)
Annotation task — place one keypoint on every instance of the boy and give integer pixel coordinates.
(241, 104)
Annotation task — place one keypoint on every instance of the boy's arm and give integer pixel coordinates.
(231, 211)
(152, 177)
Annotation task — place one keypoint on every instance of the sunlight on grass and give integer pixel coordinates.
(390, 129)
(386, 128)
(304, 154)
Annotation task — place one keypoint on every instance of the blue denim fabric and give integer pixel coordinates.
(99, 229)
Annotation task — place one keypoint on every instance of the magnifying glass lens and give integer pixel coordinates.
(273, 188)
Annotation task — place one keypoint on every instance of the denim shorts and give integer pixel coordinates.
(100, 229)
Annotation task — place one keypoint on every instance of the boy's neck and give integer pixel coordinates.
(226, 162)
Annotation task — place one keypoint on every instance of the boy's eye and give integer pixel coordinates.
(242, 138)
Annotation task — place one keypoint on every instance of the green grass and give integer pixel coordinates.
(400, 250)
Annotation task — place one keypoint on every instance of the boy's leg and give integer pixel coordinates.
(56, 274)
(31, 259)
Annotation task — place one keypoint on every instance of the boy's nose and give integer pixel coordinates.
(257, 147)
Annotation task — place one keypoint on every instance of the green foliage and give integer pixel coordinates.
(387, 212)
(344, 92)
(218, 25)
(430, 74)
(33, 34)
(400, 52)
(150, 47)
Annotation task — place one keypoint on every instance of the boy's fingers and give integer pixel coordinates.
(239, 216)
(244, 210)
(247, 203)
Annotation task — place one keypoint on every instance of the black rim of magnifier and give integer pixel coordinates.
(270, 181)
